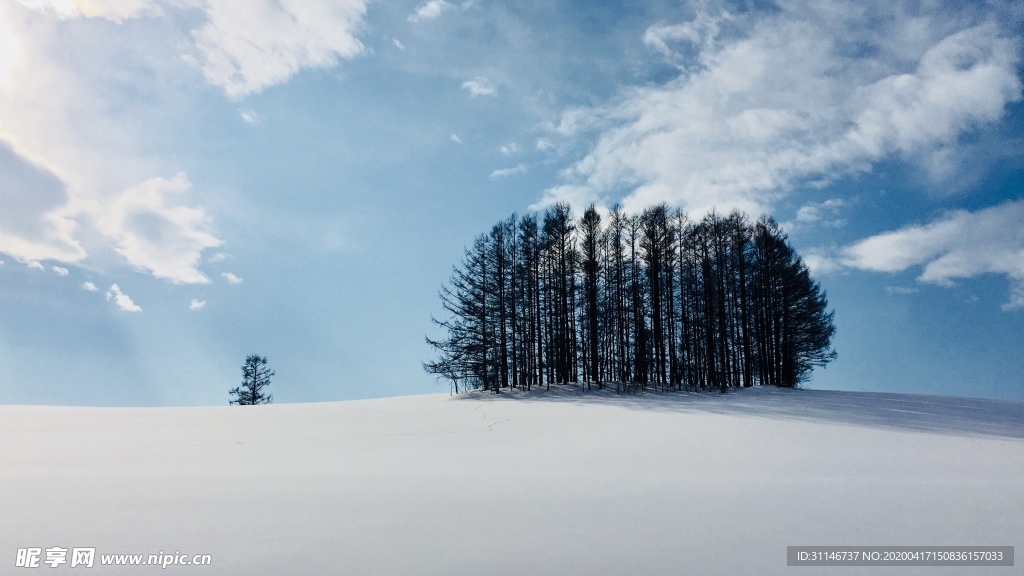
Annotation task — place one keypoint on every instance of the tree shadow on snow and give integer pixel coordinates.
(937, 414)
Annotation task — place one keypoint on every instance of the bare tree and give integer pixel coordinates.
(590, 228)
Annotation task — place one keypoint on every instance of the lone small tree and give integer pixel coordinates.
(255, 377)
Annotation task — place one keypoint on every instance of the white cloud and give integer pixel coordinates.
(900, 290)
(58, 108)
(11, 52)
(245, 47)
(154, 234)
(398, 43)
(61, 271)
(35, 266)
(122, 300)
(818, 213)
(231, 278)
(699, 32)
(70, 141)
(248, 46)
(544, 144)
(815, 211)
(35, 222)
(196, 304)
(430, 10)
(114, 10)
(820, 263)
(806, 94)
(808, 213)
(509, 149)
(455, 138)
(957, 246)
(502, 173)
(78, 110)
(249, 116)
(217, 257)
(480, 86)
(89, 286)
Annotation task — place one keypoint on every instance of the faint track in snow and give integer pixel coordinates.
(490, 427)
(156, 446)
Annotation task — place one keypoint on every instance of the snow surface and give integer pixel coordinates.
(545, 483)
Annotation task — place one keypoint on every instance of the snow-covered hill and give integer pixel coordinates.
(545, 483)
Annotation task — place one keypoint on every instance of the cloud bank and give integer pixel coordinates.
(957, 246)
(811, 92)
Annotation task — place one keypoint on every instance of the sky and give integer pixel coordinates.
(186, 182)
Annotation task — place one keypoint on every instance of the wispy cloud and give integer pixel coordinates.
(700, 32)
(398, 43)
(60, 270)
(509, 149)
(231, 278)
(815, 211)
(196, 304)
(34, 265)
(246, 47)
(900, 290)
(806, 94)
(480, 86)
(249, 116)
(455, 138)
(89, 287)
(820, 214)
(959, 245)
(155, 233)
(430, 10)
(504, 172)
(122, 300)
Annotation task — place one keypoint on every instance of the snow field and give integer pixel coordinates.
(540, 483)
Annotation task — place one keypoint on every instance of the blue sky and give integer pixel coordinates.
(189, 181)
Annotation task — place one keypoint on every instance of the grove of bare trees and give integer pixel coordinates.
(631, 300)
